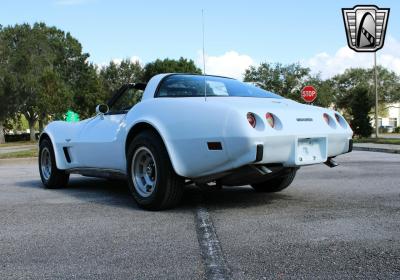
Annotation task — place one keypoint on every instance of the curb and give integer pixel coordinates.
(379, 150)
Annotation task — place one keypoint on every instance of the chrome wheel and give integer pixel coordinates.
(144, 171)
(45, 163)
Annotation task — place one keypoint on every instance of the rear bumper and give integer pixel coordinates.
(260, 151)
(282, 150)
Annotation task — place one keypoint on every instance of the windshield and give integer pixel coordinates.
(193, 86)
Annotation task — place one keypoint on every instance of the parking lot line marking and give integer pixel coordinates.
(210, 247)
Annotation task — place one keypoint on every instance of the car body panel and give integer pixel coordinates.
(187, 124)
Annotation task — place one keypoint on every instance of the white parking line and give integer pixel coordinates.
(210, 247)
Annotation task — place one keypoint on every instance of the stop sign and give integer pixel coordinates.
(308, 93)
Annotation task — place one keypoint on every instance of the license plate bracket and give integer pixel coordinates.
(310, 150)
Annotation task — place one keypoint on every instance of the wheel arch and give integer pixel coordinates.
(142, 126)
(45, 135)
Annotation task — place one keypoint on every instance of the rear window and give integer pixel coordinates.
(195, 86)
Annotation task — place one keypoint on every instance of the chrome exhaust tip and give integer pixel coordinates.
(331, 163)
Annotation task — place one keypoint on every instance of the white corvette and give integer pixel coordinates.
(192, 128)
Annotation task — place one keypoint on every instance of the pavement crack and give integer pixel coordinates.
(210, 247)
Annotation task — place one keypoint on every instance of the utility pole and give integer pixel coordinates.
(376, 98)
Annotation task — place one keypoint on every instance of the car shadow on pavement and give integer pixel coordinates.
(116, 193)
(93, 190)
(229, 198)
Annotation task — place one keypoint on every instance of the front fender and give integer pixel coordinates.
(60, 134)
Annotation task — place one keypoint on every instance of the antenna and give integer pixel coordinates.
(204, 58)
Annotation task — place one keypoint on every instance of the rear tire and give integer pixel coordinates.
(52, 177)
(152, 180)
(278, 183)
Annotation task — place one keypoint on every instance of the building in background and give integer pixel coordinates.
(391, 121)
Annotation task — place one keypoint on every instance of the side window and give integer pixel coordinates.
(126, 101)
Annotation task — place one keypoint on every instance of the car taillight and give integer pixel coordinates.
(251, 119)
(326, 118)
(270, 119)
(337, 118)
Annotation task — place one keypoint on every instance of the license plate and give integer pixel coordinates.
(311, 150)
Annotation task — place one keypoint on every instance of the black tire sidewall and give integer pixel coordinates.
(152, 142)
(278, 183)
(57, 178)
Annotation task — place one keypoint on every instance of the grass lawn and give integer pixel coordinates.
(20, 154)
(19, 143)
(395, 141)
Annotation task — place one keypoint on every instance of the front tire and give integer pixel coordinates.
(278, 183)
(152, 180)
(52, 177)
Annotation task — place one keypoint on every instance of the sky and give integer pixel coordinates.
(237, 33)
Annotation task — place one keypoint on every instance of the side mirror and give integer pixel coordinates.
(102, 109)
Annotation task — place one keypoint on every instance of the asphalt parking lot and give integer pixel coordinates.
(331, 223)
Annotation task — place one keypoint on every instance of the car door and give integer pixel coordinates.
(101, 143)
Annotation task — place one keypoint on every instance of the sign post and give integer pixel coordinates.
(309, 94)
(370, 22)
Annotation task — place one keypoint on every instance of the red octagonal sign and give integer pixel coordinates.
(308, 93)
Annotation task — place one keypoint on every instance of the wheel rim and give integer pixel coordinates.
(144, 172)
(45, 163)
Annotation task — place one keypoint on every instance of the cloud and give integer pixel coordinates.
(118, 61)
(230, 64)
(132, 59)
(72, 2)
(330, 65)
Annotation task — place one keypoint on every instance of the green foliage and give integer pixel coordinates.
(8, 104)
(285, 80)
(391, 141)
(360, 105)
(89, 92)
(20, 154)
(388, 85)
(114, 75)
(167, 65)
(325, 91)
(45, 68)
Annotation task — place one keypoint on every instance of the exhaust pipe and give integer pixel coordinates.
(263, 170)
(331, 163)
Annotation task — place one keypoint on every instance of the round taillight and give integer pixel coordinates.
(337, 118)
(326, 118)
(341, 121)
(251, 119)
(270, 119)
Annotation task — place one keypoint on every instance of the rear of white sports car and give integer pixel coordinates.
(286, 132)
(238, 134)
(262, 136)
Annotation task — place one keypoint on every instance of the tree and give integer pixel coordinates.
(325, 90)
(167, 65)
(388, 85)
(8, 104)
(115, 75)
(360, 105)
(285, 80)
(9, 101)
(90, 91)
(46, 66)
